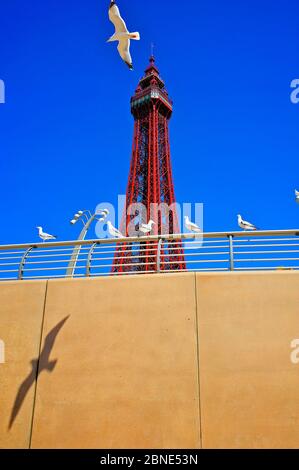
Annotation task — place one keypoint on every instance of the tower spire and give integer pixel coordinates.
(152, 52)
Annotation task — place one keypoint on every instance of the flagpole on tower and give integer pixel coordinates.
(152, 49)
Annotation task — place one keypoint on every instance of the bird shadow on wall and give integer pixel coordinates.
(37, 366)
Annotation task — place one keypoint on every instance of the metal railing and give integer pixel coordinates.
(215, 251)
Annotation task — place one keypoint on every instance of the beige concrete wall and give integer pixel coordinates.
(21, 313)
(126, 374)
(179, 360)
(249, 387)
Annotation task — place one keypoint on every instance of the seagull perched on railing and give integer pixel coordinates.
(113, 231)
(191, 225)
(45, 236)
(147, 228)
(297, 196)
(245, 225)
(121, 34)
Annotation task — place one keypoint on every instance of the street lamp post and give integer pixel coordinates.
(86, 218)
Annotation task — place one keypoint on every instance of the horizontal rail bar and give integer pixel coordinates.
(9, 264)
(241, 260)
(175, 236)
(122, 264)
(268, 268)
(263, 252)
(201, 261)
(196, 254)
(10, 271)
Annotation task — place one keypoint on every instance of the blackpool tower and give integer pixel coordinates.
(150, 182)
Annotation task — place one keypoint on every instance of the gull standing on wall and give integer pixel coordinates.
(297, 196)
(121, 34)
(45, 236)
(245, 225)
(191, 225)
(113, 231)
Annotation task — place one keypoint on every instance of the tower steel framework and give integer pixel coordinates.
(150, 181)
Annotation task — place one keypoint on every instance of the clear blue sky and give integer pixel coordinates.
(66, 128)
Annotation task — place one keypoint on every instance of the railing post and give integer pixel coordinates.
(89, 258)
(231, 253)
(22, 262)
(159, 255)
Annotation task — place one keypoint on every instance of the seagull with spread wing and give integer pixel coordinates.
(297, 195)
(121, 34)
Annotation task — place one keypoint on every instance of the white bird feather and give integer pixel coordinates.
(116, 19)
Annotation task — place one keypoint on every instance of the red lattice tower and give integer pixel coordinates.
(150, 180)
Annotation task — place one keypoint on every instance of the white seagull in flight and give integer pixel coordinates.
(191, 225)
(244, 224)
(297, 196)
(45, 236)
(121, 34)
(113, 231)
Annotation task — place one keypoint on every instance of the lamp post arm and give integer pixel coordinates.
(86, 227)
(74, 258)
(88, 212)
(86, 216)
